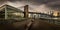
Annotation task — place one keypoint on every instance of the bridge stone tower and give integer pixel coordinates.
(26, 11)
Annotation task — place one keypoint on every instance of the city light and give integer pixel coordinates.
(55, 13)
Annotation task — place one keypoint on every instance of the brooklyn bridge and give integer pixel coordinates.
(12, 18)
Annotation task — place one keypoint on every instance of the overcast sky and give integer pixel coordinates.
(34, 5)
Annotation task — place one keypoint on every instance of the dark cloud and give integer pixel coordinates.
(2, 1)
(16, 0)
(42, 1)
(54, 4)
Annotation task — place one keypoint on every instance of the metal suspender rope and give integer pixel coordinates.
(29, 25)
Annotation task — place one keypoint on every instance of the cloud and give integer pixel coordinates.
(41, 8)
(53, 4)
(16, 3)
(42, 1)
(35, 5)
(16, 0)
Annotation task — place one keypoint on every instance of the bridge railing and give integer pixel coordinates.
(52, 20)
(49, 20)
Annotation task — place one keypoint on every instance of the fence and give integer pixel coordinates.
(52, 20)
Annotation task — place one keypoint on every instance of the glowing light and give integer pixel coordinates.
(55, 13)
